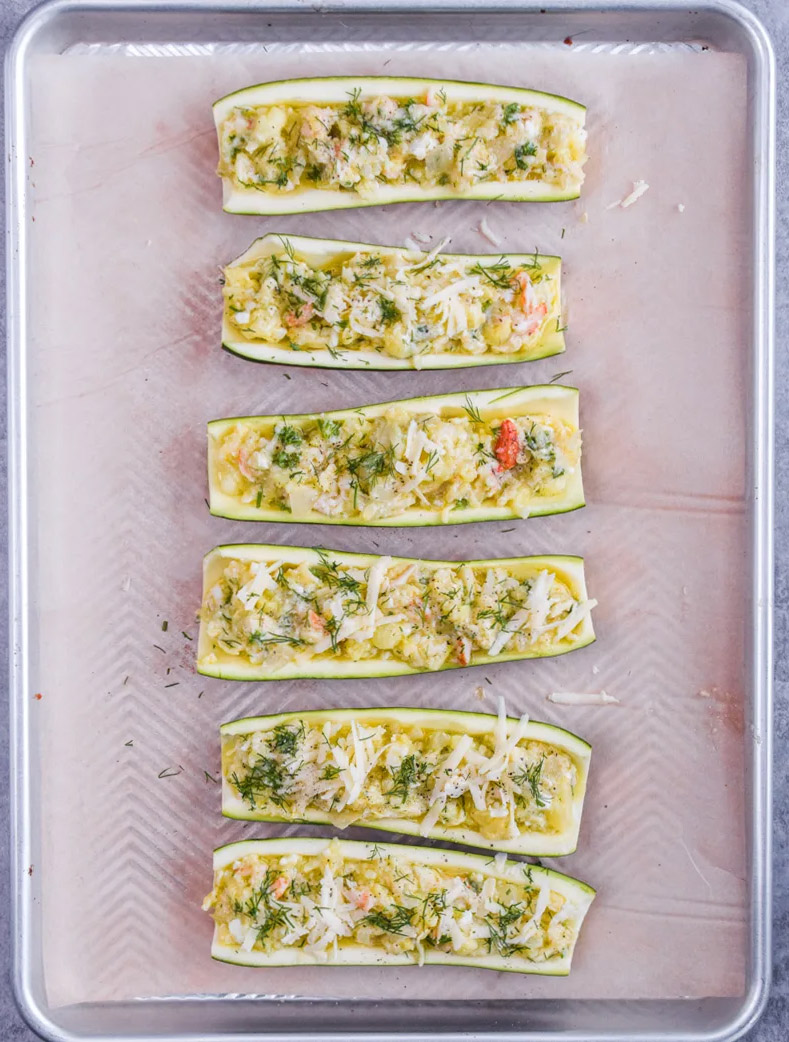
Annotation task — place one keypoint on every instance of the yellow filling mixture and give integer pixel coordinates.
(327, 902)
(362, 143)
(367, 468)
(499, 784)
(429, 617)
(400, 304)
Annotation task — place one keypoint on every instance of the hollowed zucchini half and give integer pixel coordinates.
(328, 143)
(307, 902)
(332, 261)
(519, 785)
(283, 487)
(279, 612)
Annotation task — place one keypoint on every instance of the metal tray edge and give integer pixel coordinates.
(21, 834)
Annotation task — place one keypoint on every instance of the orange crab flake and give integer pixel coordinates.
(507, 445)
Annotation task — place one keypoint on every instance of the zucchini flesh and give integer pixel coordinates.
(421, 461)
(335, 142)
(285, 902)
(276, 612)
(352, 305)
(519, 785)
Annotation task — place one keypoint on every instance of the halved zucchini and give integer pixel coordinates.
(444, 459)
(294, 901)
(341, 141)
(353, 305)
(487, 781)
(278, 612)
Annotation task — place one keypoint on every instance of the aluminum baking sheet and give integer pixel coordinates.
(116, 366)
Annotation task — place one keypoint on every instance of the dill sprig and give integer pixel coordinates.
(435, 902)
(372, 465)
(500, 274)
(390, 312)
(328, 572)
(329, 428)
(286, 460)
(274, 913)
(263, 639)
(499, 924)
(289, 435)
(529, 148)
(287, 245)
(394, 921)
(267, 778)
(353, 110)
(510, 113)
(409, 773)
(530, 777)
(285, 739)
(472, 410)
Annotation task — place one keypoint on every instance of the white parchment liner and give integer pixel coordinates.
(125, 371)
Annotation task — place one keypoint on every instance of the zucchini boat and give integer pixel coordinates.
(445, 459)
(353, 305)
(295, 901)
(340, 141)
(497, 782)
(278, 612)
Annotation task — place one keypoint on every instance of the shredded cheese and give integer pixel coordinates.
(582, 698)
(639, 188)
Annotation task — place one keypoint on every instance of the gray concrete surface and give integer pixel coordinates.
(774, 1026)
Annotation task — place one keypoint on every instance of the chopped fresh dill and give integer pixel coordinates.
(499, 274)
(285, 739)
(328, 572)
(409, 773)
(435, 902)
(263, 639)
(522, 152)
(390, 312)
(393, 922)
(329, 428)
(170, 772)
(286, 460)
(289, 435)
(510, 113)
(368, 467)
(558, 376)
(498, 926)
(472, 410)
(530, 777)
(274, 913)
(266, 777)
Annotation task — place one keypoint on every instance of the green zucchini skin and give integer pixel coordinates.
(568, 568)
(320, 251)
(329, 89)
(456, 721)
(582, 894)
(552, 399)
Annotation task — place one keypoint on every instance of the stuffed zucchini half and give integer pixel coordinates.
(326, 144)
(353, 305)
(295, 901)
(482, 456)
(487, 781)
(278, 612)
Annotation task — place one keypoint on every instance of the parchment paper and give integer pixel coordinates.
(125, 371)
